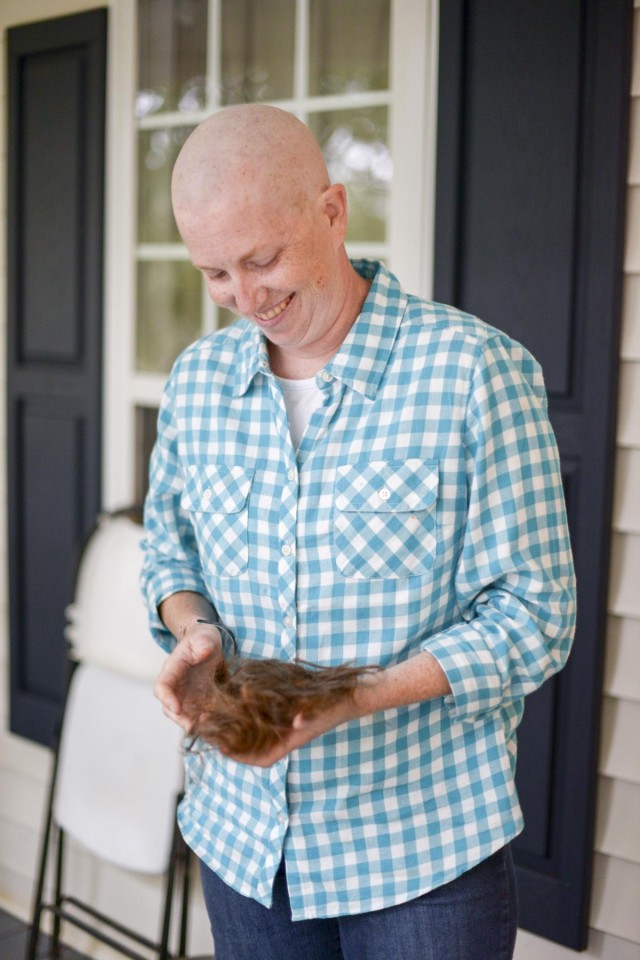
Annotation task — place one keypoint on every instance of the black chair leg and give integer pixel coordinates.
(36, 913)
(186, 890)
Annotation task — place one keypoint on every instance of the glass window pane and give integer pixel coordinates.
(348, 46)
(157, 152)
(172, 45)
(169, 314)
(355, 144)
(257, 50)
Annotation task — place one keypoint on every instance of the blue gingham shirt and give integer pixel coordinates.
(423, 510)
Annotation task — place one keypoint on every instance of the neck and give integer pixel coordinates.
(300, 364)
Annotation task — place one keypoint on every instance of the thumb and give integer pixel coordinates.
(201, 648)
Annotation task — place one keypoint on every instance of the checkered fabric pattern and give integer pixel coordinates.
(423, 511)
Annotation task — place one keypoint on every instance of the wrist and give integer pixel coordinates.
(368, 696)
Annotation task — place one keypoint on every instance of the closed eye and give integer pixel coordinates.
(262, 262)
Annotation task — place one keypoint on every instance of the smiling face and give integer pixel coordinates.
(277, 263)
(265, 228)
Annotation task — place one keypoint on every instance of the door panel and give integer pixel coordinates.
(55, 244)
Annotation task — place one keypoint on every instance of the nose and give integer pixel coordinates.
(249, 295)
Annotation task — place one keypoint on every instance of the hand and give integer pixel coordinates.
(416, 679)
(187, 671)
(303, 730)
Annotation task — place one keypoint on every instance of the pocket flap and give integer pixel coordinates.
(390, 486)
(216, 487)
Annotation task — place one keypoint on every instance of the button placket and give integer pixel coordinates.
(287, 560)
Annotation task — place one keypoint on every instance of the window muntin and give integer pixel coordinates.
(289, 52)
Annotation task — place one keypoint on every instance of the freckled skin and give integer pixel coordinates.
(256, 211)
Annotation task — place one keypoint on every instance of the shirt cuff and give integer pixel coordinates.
(476, 684)
(158, 588)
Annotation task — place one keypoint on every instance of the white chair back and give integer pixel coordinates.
(119, 770)
(107, 622)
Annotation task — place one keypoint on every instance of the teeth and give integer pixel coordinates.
(275, 311)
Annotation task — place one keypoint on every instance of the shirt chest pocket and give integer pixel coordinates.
(385, 518)
(216, 495)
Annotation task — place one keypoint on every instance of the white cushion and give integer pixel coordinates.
(107, 622)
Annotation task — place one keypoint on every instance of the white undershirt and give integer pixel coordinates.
(301, 398)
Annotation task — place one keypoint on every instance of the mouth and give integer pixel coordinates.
(270, 315)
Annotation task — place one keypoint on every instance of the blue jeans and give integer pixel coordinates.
(472, 918)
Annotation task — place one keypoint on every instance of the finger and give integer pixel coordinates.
(180, 719)
(168, 683)
(168, 699)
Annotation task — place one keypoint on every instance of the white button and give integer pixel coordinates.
(326, 376)
(286, 550)
(282, 818)
(264, 362)
(291, 474)
(288, 620)
(384, 494)
(208, 493)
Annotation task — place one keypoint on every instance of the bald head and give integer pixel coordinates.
(246, 151)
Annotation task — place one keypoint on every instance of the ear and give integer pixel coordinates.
(334, 208)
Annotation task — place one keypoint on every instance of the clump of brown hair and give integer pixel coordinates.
(250, 705)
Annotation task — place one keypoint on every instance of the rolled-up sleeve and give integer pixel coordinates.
(514, 579)
(171, 560)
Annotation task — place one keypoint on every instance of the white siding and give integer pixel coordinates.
(24, 767)
(622, 664)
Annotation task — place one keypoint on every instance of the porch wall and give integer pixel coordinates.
(615, 920)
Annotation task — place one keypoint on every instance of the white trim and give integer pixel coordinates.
(430, 142)
(372, 251)
(119, 302)
(177, 251)
(161, 251)
(145, 390)
(300, 53)
(214, 27)
(299, 105)
(413, 125)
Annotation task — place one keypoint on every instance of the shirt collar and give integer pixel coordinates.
(363, 356)
(253, 358)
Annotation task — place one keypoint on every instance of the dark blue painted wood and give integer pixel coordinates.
(532, 146)
(55, 252)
